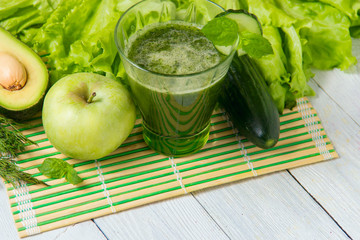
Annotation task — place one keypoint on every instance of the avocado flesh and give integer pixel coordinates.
(22, 104)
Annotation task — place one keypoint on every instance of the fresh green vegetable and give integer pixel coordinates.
(22, 15)
(351, 9)
(231, 4)
(245, 21)
(320, 26)
(248, 103)
(58, 168)
(273, 68)
(12, 141)
(244, 96)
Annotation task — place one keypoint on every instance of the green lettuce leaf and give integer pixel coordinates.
(294, 53)
(349, 7)
(269, 13)
(15, 16)
(231, 4)
(324, 28)
(78, 37)
(273, 67)
(326, 31)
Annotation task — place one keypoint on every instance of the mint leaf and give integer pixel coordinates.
(53, 168)
(221, 31)
(254, 45)
(58, 168)
(72, 177)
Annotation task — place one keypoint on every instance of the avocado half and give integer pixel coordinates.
(24, 103)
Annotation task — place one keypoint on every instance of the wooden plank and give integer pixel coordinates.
(268, 207)
(85, 230)
(176, 218)
(336, 184)
(7, 227)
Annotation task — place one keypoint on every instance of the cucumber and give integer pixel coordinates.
(248, 103)
(245, 97)
(246, 22)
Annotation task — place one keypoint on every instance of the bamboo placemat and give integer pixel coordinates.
(135, 175)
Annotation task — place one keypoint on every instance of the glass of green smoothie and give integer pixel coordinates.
(174, 72)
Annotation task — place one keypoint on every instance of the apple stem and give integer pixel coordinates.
(90, 99)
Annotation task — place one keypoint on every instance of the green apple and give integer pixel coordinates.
(87, 116)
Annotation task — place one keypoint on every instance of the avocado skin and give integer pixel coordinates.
(25, 114)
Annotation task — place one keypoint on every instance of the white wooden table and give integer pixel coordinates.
(319, 201)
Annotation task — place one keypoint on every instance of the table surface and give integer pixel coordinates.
(318, 201)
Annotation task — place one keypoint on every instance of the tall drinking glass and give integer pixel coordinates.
(175, 108)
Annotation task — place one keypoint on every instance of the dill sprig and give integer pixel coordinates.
(10, 172)
(13, 141)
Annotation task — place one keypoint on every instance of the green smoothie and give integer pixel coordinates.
(173, 48)
(176, 110)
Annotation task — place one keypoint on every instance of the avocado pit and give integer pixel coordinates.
(13, 74)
